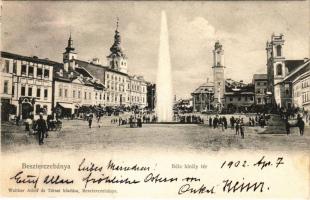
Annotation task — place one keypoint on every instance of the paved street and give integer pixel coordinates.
(76, 135)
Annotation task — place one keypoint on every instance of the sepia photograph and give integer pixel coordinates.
(164, 77)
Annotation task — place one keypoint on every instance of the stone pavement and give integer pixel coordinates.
(76, 135)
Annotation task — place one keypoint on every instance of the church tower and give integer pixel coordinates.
(218, 74)
(276, 70)
(117, 60)
(69, 54)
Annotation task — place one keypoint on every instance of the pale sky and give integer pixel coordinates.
(42, 29)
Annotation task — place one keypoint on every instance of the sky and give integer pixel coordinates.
(42, 29)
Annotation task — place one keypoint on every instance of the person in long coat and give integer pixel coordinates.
(42, 128)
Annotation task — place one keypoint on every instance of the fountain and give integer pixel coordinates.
(164, 99)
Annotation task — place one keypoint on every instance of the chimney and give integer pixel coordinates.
(66, 66)
(95, 61)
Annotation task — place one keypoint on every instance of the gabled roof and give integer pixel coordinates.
(303, 68)
(293, 64)
(89, 65)
(204, 88)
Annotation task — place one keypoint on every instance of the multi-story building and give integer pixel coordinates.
(74, 87)
(203, 97)
(277, 69)
(260, 87)
(151, 95)
(137, 92)
(122, 89)
(27, 84)
(238, 96)
(297, 83)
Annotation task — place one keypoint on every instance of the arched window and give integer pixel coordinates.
(279, 49)
(279, 70)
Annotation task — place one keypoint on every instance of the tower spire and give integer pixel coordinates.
(117, 21)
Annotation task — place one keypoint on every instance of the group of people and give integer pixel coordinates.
(236, 124)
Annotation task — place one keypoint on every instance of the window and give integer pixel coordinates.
(66, 93)
(107, 75)
(258, 91)
(79, 94)
(6, 87)
(38, 92)
(23, 90)
(89, 95)
(45, 93)
(7, 66)
(239, 98)
(38, 109)
(60, 92)
(30, 71)
(45, 109)
(279, 70)
(279, 49)
(24, 69)
(30, 91)
(258, 83)
(73, 93)
(13, 90)
(85, 95)
(39, 72)
(14, 67)
(230, 99)
(100, 96)
(265, 91)
(259, 100)
(46, 73)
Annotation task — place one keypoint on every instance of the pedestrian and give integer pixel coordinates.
(287, 126)
(301, 126)
(90, 120)
(225, 122)
(99, 120)
(42, 128)
(241, 128)
(210, 121)
(237, 126)
(232, 122)
(215, 121)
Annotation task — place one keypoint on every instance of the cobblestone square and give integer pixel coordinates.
(75, 135)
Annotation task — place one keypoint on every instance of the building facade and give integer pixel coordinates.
(278, 68)
(297, 87)
(122, 89)
(203, 97)
(260, 88)
(30, 88)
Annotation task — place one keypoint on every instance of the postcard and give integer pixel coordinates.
(155, 99)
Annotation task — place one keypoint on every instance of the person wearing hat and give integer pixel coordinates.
(42, 128)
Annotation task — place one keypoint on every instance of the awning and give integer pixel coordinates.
(66, 105)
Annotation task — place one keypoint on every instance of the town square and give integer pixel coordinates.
(169, 80)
